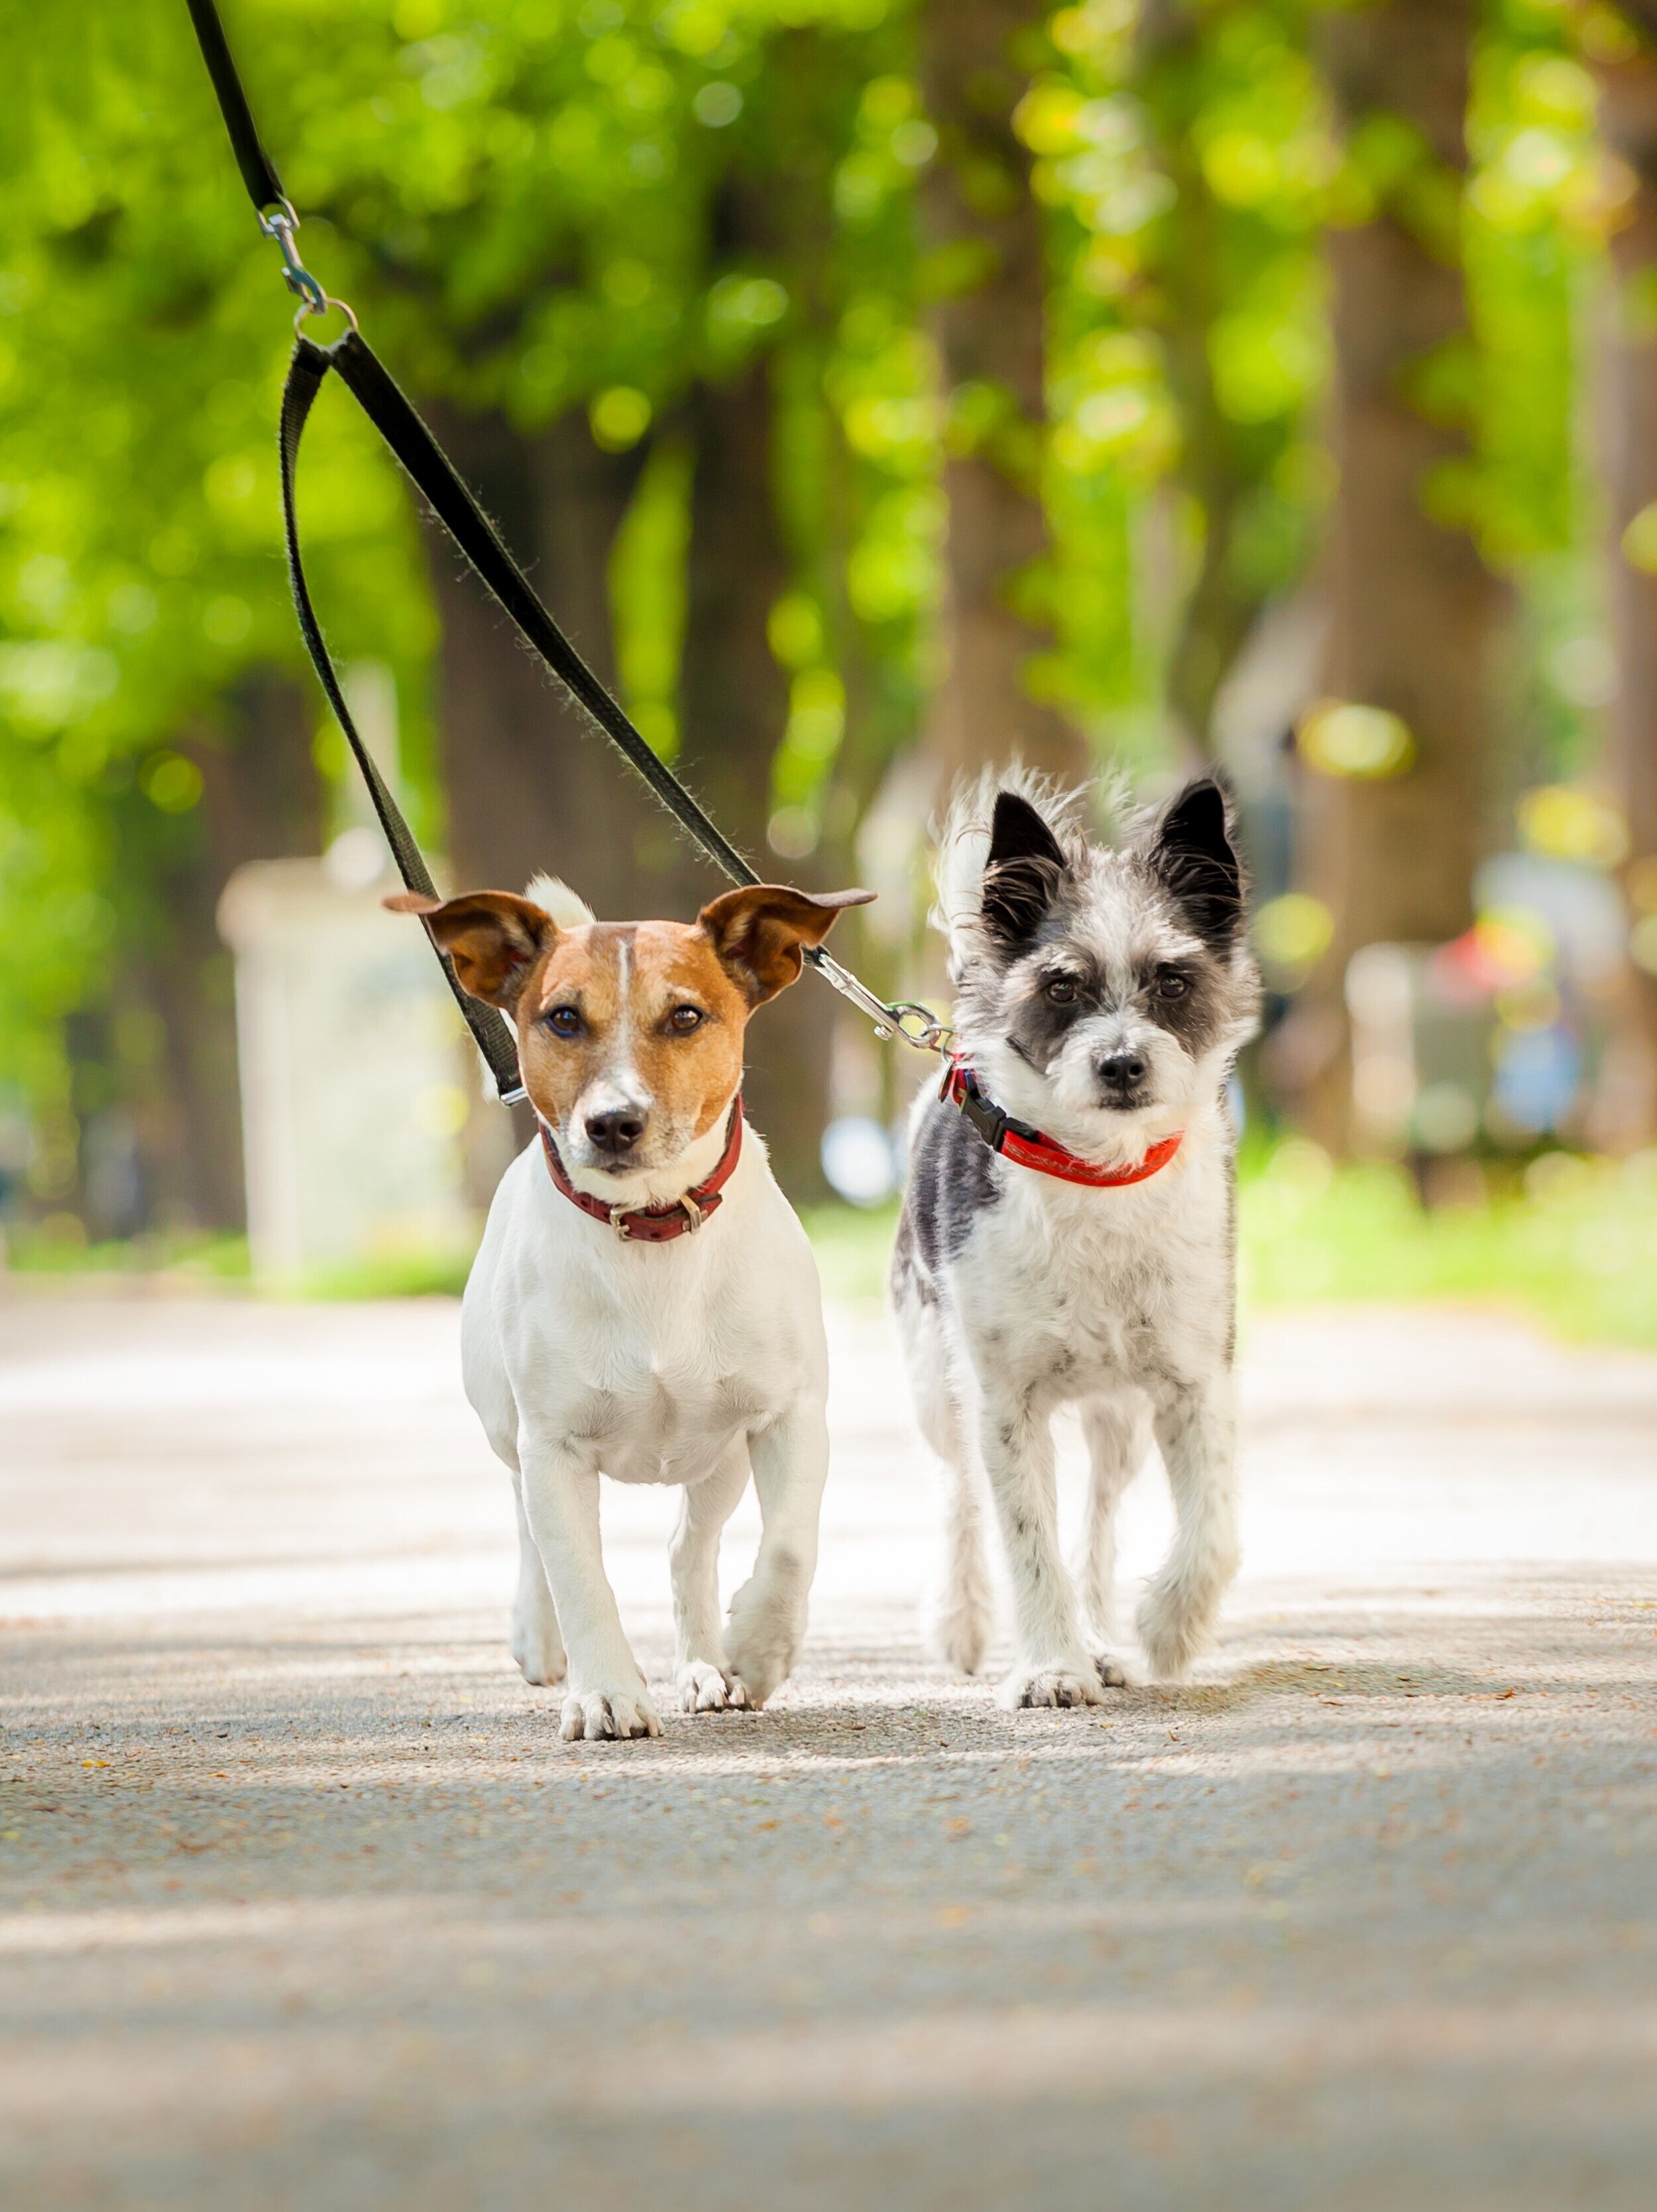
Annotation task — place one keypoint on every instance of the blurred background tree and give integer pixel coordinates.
(873, 387)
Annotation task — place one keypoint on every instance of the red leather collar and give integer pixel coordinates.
(1017, 1140)
(655, 1225)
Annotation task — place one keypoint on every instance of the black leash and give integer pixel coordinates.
(434, 477)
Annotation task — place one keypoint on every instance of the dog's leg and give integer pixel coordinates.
(767, 1614)
(1118, 1439)
(1197, 1433)
(962, 1608)
(537, 1644)
(1054, 1666)
(705, 1682)
(606, 1694)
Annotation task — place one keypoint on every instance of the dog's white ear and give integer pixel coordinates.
(1193, 853)
(493, 938)
(758, 931)
(1023, 873)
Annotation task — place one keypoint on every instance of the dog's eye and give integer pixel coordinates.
(1171, 984)
(565, 1022)
(684, 1019)
(1061, 989)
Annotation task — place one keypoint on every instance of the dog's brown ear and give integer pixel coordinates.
(494, 938)
(758, 931)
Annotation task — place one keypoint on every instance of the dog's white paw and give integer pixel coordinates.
(1173, 1623)
(1050, 1686)
(1111, 1673)
(537, 1647)
(599, 1716)
(959, 1632)
(767, 1624)
(705, 1688)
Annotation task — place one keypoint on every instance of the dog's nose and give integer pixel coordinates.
(616, 1131)
(1122, 1071)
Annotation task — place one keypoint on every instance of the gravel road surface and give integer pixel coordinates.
(303, 1904)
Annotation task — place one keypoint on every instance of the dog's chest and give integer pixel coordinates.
(671, 1412)
(1094, 1294)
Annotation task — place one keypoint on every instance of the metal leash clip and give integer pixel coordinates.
(300, 282)
(917, 1025)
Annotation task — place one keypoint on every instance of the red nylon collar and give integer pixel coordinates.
(1016, 1140)
(654, 1224)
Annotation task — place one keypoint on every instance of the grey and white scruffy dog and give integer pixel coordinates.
(1104, 994)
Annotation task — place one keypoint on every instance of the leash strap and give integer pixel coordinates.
(258, 171)
(435, 478)
(447, 495)
(493, 1039)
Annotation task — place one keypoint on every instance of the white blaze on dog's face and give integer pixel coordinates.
(1108, 990)
(629, 1034)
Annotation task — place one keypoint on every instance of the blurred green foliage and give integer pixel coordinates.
(528, 201)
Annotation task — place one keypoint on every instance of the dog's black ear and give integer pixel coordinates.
(1021, 876)
(1193, 853)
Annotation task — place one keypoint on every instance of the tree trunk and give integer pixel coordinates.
(1413, 609)
(1628, 371)
(261, 800)
(734, 702)
(529, 783)
(1215, 620)
(991, 336)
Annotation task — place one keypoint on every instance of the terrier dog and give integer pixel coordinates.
(645, 1303)
(1067, 1235)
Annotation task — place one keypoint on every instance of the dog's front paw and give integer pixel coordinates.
(706, 1688)
(1114, 1675)
(1172, 1622)
(599, 1716)
(537, 1647)
(959, 1632)
(1050, 1686)
(767, 1624)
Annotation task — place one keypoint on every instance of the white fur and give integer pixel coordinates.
(685, 1363)
(1118, 1301)
(554, 896)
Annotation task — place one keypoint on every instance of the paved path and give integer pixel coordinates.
(302, 1903)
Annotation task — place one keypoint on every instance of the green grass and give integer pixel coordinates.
(183, 1259)
(1575, 1245)
(853, 1246)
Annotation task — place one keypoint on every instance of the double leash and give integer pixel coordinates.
(434, 477)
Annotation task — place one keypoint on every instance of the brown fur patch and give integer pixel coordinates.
(625, 981)
(605, 1006)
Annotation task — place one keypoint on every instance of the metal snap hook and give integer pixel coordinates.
(313, 300)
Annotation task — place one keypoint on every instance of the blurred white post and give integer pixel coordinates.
(354, 1065)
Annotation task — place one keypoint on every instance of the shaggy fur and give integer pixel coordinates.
(1103, 994)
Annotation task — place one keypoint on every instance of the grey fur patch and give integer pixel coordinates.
(952, 1182)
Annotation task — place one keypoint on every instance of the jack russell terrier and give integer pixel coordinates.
(645, 1303)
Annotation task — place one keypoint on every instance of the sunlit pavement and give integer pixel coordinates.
(302, 1903)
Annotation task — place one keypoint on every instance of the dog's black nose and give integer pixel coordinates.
(615, 1131)
(1122, 1072)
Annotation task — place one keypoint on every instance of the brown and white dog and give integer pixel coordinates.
(599, 1334)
